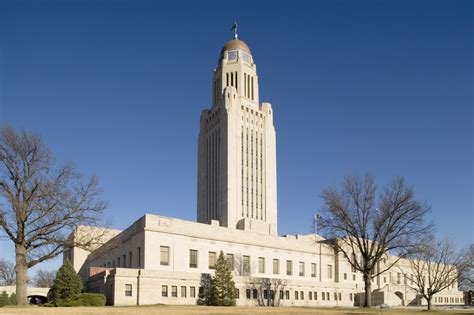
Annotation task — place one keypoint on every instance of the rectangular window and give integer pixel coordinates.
(323, 296)
(328, 296)
(289, 267)
(301, 295)
(212, 260)
(192, 292)
(282, 295)
(246, 265)
(301, 269)
(329, 271)
(399, 278)
(174, 291)
(310, 295)
(230, 261)
(164, 255)
(164, 290)
(128, 290)
(261, 264)
(183, 291)
(139, 257)
(248, 293)
(287, 295)
(254, 294)
(345, 276)
(350, 296)
(276, 266)
(193, 258)
(315, 295)
(354, 277)
(296, 295)
(335, 296)
(340, 296)
(313, 270)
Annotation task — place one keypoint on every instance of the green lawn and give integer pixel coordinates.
(184, 310)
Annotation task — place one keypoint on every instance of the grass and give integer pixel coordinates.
(184, 310)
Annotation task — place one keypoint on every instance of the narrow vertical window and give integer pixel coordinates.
(130, 260)
(329, 271)
(174, 291)
(227, 79)
(289, 267)
(192, 292)
(301, 269)
(236, 82)
(245, 84)
(164, 290)
(313, 270)
(164, 255)
(276, 266)
(252, 89)
(261, 264)
(139, 257)
(232, 79)
(183, 291)
(230, 261)
(128, 290)
(212, 260)
(246, 265)
(193, 258)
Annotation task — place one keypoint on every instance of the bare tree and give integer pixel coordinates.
(41, 203)
(466, 279)
(435, 266)
(267, 290)
(359, 223)
(44, 278)
(7, 272)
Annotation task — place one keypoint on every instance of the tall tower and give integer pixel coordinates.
(237, 148)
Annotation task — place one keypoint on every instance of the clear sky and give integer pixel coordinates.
(356, 86)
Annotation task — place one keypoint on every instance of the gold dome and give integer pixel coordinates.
(235, 44)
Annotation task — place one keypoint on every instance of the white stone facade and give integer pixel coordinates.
(237, 148)
(163, 260)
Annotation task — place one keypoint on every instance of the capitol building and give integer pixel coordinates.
(166, 260)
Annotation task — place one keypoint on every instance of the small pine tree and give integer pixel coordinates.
(66, 284)
(13, 298)
(222, 285)
(4, 299)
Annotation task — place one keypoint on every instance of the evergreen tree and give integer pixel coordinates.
(13, 298)
(4, 299)
(66, 284)
(222, 285)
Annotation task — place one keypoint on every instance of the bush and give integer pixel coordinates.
(65, 286)
(84, 299)
(4, 299)
(13, 298)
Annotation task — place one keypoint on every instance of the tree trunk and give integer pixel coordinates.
(21, 269)
(429, 302)
(368, 291)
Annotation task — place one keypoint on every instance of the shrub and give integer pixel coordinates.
(84, 299)
(13, 298)
(66, 284)
(4, 299)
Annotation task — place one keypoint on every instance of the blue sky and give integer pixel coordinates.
(118, 86)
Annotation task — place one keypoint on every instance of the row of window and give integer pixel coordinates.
(172, 291)
(298, 295)
(246, 263)
(122, 262)
(446, 300)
